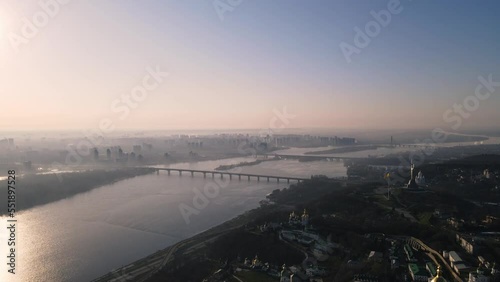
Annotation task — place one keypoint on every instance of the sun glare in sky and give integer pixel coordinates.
(72, 65)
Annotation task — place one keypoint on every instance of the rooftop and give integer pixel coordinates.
(416, 270)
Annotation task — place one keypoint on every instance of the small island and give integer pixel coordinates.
(343, 150)
(256, 162)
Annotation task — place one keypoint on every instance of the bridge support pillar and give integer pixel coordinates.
(180, 172)
(258, 178)
(288, 180)
(230, 177)
(168, 172)
(157, 172)
(213, 175)
(268, 179)
(249, 178)
(204, 175)
(278, 180)
(192, 173)
(221, 176)
(239, 177)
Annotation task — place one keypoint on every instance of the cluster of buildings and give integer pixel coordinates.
(7, 143)
(260, 140)
(448, 216)
(473, 176)
(420, 268)
(484, 272)
(298, 231)
(285, 273)
(299, 234)
(409, 258)
(298, 140)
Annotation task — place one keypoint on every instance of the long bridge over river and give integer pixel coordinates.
(222, 174)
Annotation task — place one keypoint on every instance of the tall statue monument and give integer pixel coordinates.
(412, 184)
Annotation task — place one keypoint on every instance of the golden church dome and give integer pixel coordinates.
(438, 277)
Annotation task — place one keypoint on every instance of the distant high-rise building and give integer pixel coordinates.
(7, 143)
(137, 149)
(96, 154)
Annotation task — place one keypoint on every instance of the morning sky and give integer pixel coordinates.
(230, 63)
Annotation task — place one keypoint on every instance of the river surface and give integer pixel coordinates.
(85, 236)
(291, 168)
(378, 152)
(384, 151)
(88, 235)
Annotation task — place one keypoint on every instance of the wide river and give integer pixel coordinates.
(384, 151)
(90, 234)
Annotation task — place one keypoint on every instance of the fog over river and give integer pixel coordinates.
(88, 235)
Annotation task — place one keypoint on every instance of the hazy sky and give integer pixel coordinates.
(231, 72)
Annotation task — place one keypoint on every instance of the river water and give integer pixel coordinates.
(88, 235)
(85, 236)
(384, 151)
(379, 152)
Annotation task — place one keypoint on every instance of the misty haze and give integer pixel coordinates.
(236, 140)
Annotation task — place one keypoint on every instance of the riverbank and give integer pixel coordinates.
(344, 214)
(256, 162)
(145, 268)
(343, 150)
(155, 267)
(40, 189)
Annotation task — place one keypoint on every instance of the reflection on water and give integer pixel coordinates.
(295, 168)
(382, 151)
(83, 237)
(88, 235)
(292, 167)
(210, 165)
(301, 151)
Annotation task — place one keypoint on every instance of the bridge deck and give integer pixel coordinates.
(214, 172)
